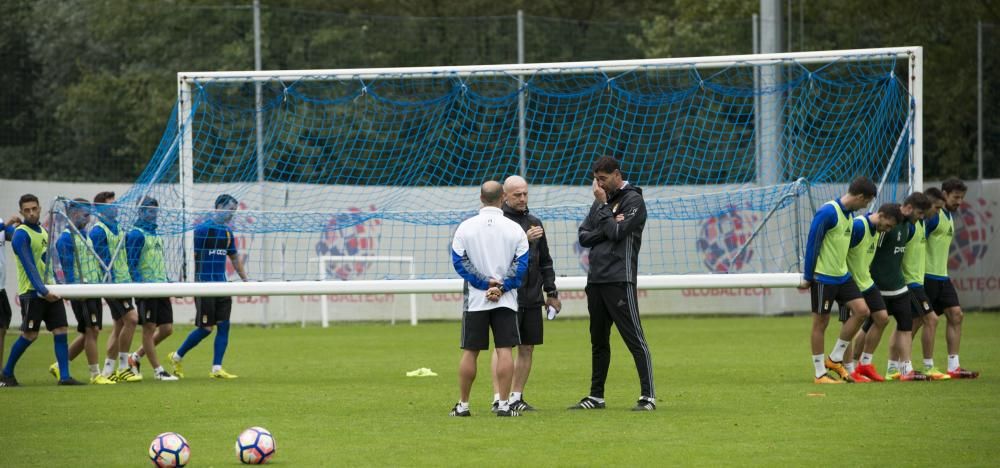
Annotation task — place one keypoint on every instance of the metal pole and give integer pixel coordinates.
(788, 20)
(522, 142)
(979, 138)
(259, 137)
(917, 132)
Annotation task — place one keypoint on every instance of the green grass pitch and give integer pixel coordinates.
(732, 391)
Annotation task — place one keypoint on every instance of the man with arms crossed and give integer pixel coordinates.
(826, 276)
(613, 232)
(490, 252)
(530, 304)
(940, 290)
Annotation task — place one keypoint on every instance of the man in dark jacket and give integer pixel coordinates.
(530, 304)
(613, 232)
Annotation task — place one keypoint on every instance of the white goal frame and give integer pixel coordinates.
(187, 81)
(322, 262)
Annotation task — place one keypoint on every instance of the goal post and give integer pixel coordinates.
(384, 163)
(324, 262)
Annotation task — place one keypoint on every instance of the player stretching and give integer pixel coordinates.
(828, 279)
(79, 265)
(213, 242)
(940, 290)
(109, 244)
(146, 264)
(866, 232)
(30, 243)
(914, 268)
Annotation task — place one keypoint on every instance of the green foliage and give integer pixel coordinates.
(732, 391)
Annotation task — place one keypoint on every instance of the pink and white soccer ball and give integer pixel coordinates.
(169, 450)
(255, 446)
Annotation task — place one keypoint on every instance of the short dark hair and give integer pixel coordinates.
(918, 200)
(149, 201)
(605, 164)
(891, 210)
(863, 186)
(934, 193)
(103, 197)
(26, 198)
(78, 204)
(953, 184)
(224, 199)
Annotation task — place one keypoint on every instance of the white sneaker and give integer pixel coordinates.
(164, 375)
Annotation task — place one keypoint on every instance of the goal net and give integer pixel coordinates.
(734, 154)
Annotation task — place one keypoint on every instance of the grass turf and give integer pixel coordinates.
(734, 391)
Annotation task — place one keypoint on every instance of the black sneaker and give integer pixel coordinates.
(588, 403)
(521, 406)
(456, 411)
(644, 404)
(496, 406)
(8, 381)
(70, 381)
(507, 413)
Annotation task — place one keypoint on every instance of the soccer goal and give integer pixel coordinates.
(734, 154)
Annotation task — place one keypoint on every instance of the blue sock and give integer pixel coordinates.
(62, 355)
(16, 351)
(192, 340)
(221, 342)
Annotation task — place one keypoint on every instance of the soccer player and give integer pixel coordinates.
(530, 305)
(37, 302)
(866, 231)
(109, 244)
(613, 232)
(79, 265)
(940, 291)
(490, 252)
(6, 232)
(914, 268)
(213, 243)
(826, 276)
(146, 265)
(887, 272)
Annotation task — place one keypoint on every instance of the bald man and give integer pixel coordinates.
(530, 303)
(490, 252)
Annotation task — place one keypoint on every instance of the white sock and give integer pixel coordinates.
(496, 397)
(866, 359)
(109, 367)
(504, 405)
(850, 367)
(216, 368)
(515, 396)
(818, 365)
(928, 363)
(158, 370)
(463, 406)
(95, 370)
(907, 367)
(953, 362)
(123, 360)
(837, 355)
(893, 365)
(176, 357)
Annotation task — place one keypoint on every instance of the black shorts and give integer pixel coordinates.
(920, 305)
(35, 309)
(529, 322)
(5, 312)
(899, 308)
(88, 313)
(873, 298)
(212, 310)
(476, 327)
(156, 310)
(941, 294)
(826, 294)
(119, 307)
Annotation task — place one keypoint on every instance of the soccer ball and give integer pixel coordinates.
(169, 449)
(255, 446)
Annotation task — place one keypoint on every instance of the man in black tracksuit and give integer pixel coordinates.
(530, 303)
(613, 232)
